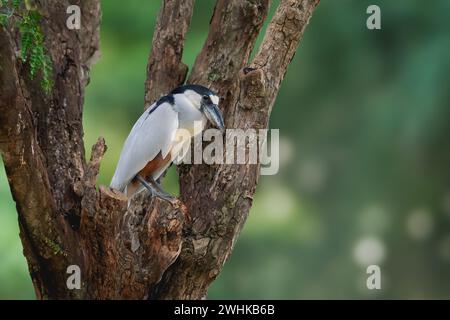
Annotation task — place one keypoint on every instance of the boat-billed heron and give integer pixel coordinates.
(154, 143)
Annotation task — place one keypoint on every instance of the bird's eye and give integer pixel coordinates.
(207, 99)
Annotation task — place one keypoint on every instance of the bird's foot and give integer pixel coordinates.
(173, 201)
(156, 191)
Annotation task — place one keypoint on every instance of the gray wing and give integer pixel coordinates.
(152, 133)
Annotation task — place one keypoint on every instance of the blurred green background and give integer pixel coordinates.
(365, 158)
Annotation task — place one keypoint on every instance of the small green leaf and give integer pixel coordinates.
(33, 49)
(3, 19)
(16, 3)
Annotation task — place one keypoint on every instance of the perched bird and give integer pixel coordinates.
(154, 141)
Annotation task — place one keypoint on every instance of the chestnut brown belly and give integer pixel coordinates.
(151, 167)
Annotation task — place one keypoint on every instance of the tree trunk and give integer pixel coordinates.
(149, 250)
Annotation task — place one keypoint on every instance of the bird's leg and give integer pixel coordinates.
(156, 190)
(174, 201)
(160, 192)
(146, 185)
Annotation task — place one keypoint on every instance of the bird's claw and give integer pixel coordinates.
(157, 192)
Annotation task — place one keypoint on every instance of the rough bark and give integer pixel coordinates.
(149, 250)
(165, 70)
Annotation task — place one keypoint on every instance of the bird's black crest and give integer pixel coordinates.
(169, 99)
(194, 87)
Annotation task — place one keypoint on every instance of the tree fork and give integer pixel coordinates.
(148, 250)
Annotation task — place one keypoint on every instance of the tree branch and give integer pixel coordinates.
(277, 50)
(165, 70)
(232, 34)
